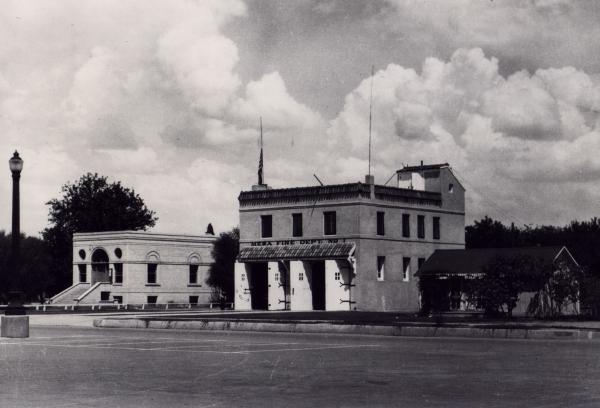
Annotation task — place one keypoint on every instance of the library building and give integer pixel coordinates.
(353, 246)
(138, 267)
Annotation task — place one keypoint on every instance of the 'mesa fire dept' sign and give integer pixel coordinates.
(296, 242)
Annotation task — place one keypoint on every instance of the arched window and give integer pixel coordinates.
(194, 261)
(152, 259)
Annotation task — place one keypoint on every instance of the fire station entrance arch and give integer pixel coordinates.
(317, 284)
(258, 280)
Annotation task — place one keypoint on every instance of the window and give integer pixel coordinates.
(406, 225)
(82, 273)
(243, 277)
(405, 269)
(104, 296)
(82, 254)
(296, 225)
(380, 267)
(300, 276)
(151, 273)
(329, 219)
(380, 223)
(337, 276)
(421, 226)
(451, 188)
(421, 261)
(193, 300)
(266, 222)
(276, 278)
(436, 227)
(152, 300)
(193, 278)
(118, 299)
(118, 253)
(118, 279)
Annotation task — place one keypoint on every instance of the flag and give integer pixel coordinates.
(260, 168)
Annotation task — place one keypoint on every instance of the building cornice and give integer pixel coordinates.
(124, 236)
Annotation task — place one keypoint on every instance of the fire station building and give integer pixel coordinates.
(350, 246)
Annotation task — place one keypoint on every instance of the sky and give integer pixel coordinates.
(166, 98)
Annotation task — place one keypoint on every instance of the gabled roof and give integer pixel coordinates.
(472, 261)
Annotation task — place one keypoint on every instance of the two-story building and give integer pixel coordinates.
(138, 267)
(346, 247)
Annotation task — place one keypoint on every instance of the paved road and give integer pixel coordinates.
(78, 367)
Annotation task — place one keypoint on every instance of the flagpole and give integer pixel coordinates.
(371, 114)
(260, 160)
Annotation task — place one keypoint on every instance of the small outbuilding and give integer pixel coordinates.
(446, 275)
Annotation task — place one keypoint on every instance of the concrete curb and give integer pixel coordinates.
(399, 330)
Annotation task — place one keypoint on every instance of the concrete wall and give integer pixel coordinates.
(301, 294)
(241, 299)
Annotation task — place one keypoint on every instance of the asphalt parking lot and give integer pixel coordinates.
(78, 367)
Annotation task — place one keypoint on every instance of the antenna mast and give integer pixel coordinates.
(260, 160)
(371, 114)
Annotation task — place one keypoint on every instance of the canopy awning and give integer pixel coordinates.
(341, 250)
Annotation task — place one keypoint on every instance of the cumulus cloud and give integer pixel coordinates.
(136, 91)
(269, 98)
(504, 133)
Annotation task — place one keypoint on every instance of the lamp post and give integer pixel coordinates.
(14, 323)
(15, 296)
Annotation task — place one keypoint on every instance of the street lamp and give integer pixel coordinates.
(14, 324)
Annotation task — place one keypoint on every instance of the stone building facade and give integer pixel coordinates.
(138, 267)
(346, 247)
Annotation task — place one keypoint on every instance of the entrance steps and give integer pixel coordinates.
(70, 294)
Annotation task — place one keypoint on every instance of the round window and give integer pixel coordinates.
(118, 252)
(82, 254)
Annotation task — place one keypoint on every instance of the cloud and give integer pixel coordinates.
(503, 133)
(269, 98)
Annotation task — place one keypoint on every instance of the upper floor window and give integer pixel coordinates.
(406, 225)
(380, 268)
(380, 223)
(337, 276)
(193, 274)
(151, 273)
(451, 188)
(329, 223)
(266, 222)
(436, 227)
(297, 225)
(421, 226)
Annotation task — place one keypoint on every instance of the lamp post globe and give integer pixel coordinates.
(15, 164)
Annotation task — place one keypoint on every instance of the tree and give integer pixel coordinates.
(503, 280)
(220, 274)
(91, 204)
(33, 274)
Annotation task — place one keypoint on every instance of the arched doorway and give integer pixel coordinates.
(100, 266)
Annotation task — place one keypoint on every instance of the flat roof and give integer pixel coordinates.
(424, 167)
(338, 192)
(132, 235)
